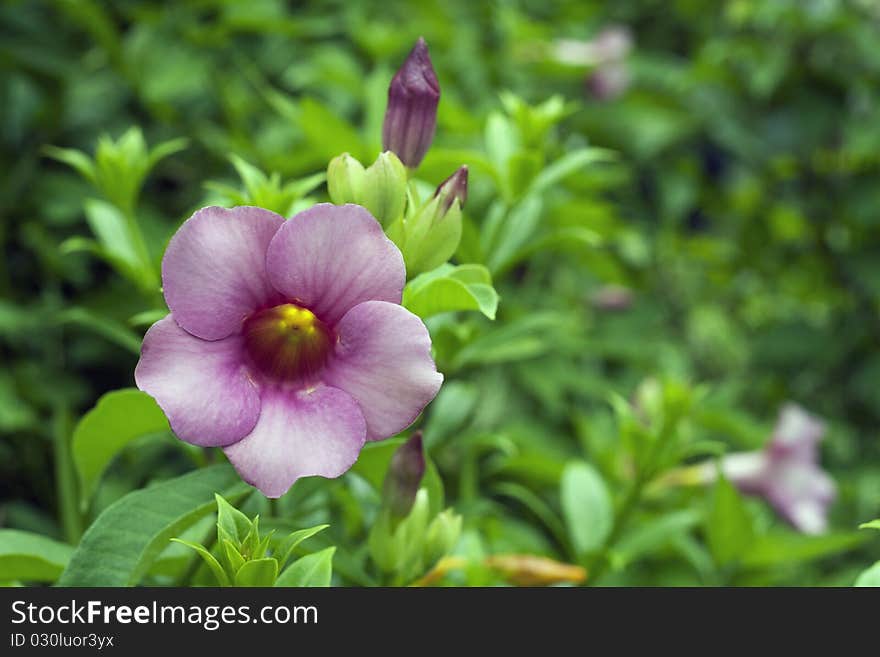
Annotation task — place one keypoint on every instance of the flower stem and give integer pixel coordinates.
(65, 481)
(621, 518)
(645, 473)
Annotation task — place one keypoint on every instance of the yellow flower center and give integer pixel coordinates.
(287, 342)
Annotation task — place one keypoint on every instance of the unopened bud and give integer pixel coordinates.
(454, 188)
(411, 116)
(345, 179)
(442, 535)
(380, 188)
(404, 476)
(430, 233)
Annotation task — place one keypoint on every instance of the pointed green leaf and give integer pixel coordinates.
(569, 164)
(870, 577)
(787, 547)
(586, 506)
(288, 545)
(259, 572)
(120, 242)
(448, 288)
(77, 160)
(209, 559)
(166, 148)
(232, 524)
(234, 560)
(103, 326)
(124, 540)
(729, 527)
(118, 418)
(311, 570)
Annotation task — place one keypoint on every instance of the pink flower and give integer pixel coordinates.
(786, 472)
(286, 344)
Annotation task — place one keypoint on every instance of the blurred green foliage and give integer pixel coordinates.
(732, 190)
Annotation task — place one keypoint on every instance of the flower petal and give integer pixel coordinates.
(797, 434)
(202, 386)
(214, 270)
(383, 360)
(801, 492)
(331, 258)
(299, 434)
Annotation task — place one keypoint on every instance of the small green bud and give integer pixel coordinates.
(430, 234)
(397, 547)
(441, 537)
(429, 237)
(380, 188)
(345, 179)
(381, 543)
(384, 191)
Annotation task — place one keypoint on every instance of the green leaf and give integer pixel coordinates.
(288, 545)
(328, 134)
(125, 538)
(729, 527)
(656, 533)
(525, 337)
(233, 557)
(77, 160)
(870, 577)
(502, 141)
(874, 524)
(118, 418)
(147, 317)
(449, 288)
(120, 243)
(788, 547)
(163, 150)
(311, 570)
(586, 506)
(232, 524)
(516, 228)
(209, 559)
(254, 180)
(28, 557)
(569, 164)
(259, 572)
(103, 326)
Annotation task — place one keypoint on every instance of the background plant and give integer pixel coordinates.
(729, 195)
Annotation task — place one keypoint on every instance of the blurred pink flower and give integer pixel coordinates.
(786, 472)
(606, 54)
(612, 298)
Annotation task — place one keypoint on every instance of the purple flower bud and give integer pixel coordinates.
(404, 476)
(454, 188)
(411, 117)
